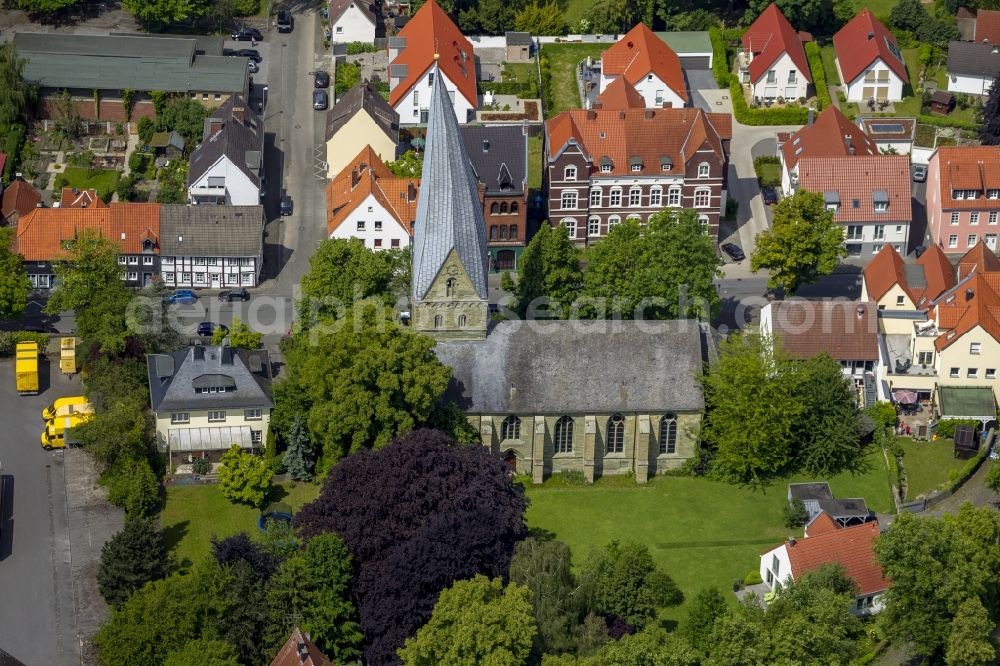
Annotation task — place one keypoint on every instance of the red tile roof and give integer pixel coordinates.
(938, 272)
(978, 259)
(855, 51)
(41, 234)
(71, 198)
(967, 168)
(768, 38)
(641, 52)
(884, 271)
(430, 33)
(832, 134)
(298, 650)
(807, 328)
(821, 524)
(344, 194)
(988, 26)
(21, 197)
(3, 162)
(850, 547)
(856, 179)
(620, 94)
(979, 305)
(649, 134)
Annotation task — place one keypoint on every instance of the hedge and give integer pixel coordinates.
(720, 60)
(818, 75)
(9, 340)
(944, 121)
(356, 48)
(970, 467)
(789, 115)
(946, 427)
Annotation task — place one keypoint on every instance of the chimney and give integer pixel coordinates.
(411, 192)
(860, 311)
(226, 356)
(75, 192)
(486, 145)
(238, 113)
(591, 114)
(83, 204)
(791, 542)
(871, 36)
(355, 178)
(214, 125)
(648, 114)
(621, 115)
(199, 352)
(811, 116)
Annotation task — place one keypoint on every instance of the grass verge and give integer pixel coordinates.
(563, 62)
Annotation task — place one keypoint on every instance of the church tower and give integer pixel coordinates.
(450, 292)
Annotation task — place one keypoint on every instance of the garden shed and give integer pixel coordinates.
(167, 144)
(942, 102)
(966, 442)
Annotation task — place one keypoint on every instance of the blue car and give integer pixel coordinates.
(184, 296)
(208, 328)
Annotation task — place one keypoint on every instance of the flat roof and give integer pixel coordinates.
(972, 402)
(687, 41)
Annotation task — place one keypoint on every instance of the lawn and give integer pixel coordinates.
(576, 10)
(194, 514)
(829, 57)
(522, 72)
(704, 533)
(535, 161)
(563, 62)
(927, 464)
(768, 173)
(104, 181)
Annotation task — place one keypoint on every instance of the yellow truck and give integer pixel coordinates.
(59, 432)
(67, 356)
(60, 405)
(26, 368)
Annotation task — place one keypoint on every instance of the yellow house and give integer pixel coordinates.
(208, 398)
(360, 118)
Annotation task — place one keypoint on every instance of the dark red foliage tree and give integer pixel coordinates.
(416, 515)
(239, 548)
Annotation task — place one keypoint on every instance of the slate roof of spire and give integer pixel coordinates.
(449, 211)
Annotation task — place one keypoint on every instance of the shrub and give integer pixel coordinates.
(753, 578)
(137, 162)
(355, 48)
(747, 116)
(9, 340)
(946, 427)
(201, 465)
(720, 60)
(795, 514)
(732, 208)
(246, 7)
(818, 75)
(84, 158)
(244, 478)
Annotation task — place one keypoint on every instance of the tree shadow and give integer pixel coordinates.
(173, 535)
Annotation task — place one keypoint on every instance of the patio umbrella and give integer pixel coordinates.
(904, 397)
(418, 143)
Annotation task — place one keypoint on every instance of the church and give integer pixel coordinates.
(593, 397)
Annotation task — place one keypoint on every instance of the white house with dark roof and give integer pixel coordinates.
(227, 167)
(972, 67)
(352, 21)
(207, 398)
(216, 247)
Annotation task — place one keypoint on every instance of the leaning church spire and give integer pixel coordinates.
(450, 292)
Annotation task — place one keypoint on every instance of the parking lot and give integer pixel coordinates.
(54, 523)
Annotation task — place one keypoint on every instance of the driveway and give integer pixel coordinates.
(38, 619)
(699, 80)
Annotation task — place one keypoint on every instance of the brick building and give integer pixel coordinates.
(605, 166)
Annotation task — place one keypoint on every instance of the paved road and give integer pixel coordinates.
(37, 615)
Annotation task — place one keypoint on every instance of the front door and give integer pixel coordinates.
(146, 278)
(216, 280)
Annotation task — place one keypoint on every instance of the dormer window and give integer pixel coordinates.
(993, 194)
(832, 201)
(880, 201)
(964, 194)
(635, 164)
(606, 164)
(666, 164)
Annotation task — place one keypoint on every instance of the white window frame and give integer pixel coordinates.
(253, 414)
(214, 416)
(674, 197)
(704, 170)
(594, 226)
(635, 196)
(570, 225)
(704, 195)
(569, 173)
(180, 417)
(615, 200)
(655, 196)
(569, 200)
(595, 197)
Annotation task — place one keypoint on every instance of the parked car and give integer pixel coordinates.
(285, 21)
(733, 251)
(919, 173)
(770, 195)
(208, 328)
(322, 79)
(247, 34)
(253, 54)
(230, 295)
(253, 67)
(320, 100)
(285, 206)
(182, 296)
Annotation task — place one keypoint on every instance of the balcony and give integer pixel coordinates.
(898, 359)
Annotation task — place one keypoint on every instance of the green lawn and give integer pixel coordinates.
(576, 10)
(563, 62)
(522, 72)
(535, 161)
(927, 464)
(829, 57)
(105, 182)
(194, 514)
(768, 173)
(703, 532)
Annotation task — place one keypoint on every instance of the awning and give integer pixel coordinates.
(209, 439)
(904, 397)
(967, 402)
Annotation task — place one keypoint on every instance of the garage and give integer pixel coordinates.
(694, 48)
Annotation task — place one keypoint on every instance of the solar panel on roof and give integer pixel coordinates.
(886, 128)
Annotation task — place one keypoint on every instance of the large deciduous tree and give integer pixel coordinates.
(969, 641)
(827, 441)
(541, 19)
(416, 515)
(803, 244)
(662, 271)
(548, 275)
(16, 95)
(360, 383)
(89, 282)
(477, 621)
(130, 559)
(803, 14)
(14, 283)
(344, 271)
(161, 13)
(626, 583)
(243, 477)
(203, 652)
(239, 334)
